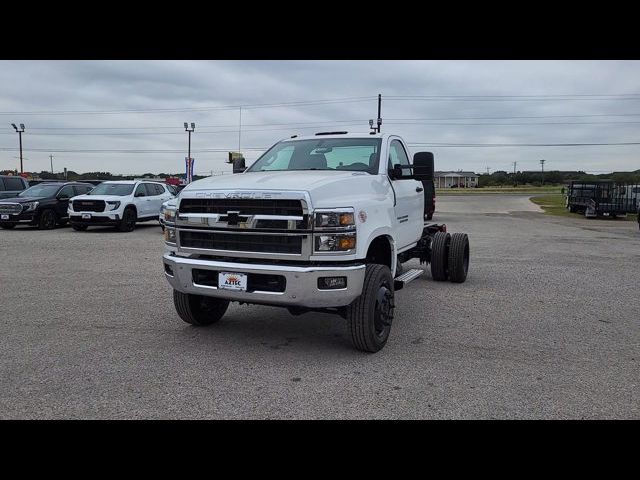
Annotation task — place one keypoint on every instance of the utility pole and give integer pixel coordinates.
(542, 164)
(488, 172)
(20, 132)
(51, 158)
(514, 174)
(379, 111)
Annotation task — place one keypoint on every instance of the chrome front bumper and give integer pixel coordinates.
(301, 282)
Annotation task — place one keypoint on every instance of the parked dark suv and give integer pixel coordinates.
(44, 205)
(10, 186)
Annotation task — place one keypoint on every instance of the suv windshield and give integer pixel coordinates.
(118, 189)
(351, 154)
(40, 191)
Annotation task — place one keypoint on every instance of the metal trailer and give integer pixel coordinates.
(602, 198)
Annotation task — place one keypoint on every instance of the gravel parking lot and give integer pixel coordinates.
(546, 326)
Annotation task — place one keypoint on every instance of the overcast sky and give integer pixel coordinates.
(47, 95)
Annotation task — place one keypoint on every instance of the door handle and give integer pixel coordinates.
(419, 189)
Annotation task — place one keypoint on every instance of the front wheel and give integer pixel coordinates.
(199, 310)
(8, 226)
(79, 228)
(48, 220)
(128, 222)
(370, 315)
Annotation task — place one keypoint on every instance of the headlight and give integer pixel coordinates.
(71, 205)
(169, 214)
(29, 206)
(335, 243)
(170, 235)
(334, 218)
(113, 205)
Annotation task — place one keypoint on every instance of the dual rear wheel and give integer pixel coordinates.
(450, 257)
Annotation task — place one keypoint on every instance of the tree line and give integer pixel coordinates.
(552, 177)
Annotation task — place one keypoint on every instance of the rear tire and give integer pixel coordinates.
(79, 228)
(47, 220)
(8, 226)
(369, 316)
(440, 256)
(128, 222)
(458, 257)
(199, 310)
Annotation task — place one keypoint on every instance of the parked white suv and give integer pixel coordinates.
(118, 203)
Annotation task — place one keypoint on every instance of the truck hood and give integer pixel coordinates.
(325, 187)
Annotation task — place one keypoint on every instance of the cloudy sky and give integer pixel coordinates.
(127, 116)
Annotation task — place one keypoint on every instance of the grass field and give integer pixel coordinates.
(555, 205)
(493, 190)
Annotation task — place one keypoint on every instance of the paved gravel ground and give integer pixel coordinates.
(546, 326)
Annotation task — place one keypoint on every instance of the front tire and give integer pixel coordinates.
(8, 226)
(199, 310)
(79, 228)
(369, 316)
(458, 257)
(47, 220)
(128, 222)
(440, 256)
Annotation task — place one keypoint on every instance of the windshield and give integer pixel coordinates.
(351, 154)
(40, 191)
(118, 189)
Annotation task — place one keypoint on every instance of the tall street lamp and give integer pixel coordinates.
(186, 129)
(20, 132)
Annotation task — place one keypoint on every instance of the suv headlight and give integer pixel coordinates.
(29, 206)
(113, 205)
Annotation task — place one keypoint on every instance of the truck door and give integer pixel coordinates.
(409, 208)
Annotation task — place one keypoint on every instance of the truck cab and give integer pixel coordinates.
(317, 223)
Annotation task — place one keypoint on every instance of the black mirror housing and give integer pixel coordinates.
(423, 165)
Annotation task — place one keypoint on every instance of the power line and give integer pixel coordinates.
(194, 109)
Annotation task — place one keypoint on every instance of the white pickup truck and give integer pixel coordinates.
(317, 223)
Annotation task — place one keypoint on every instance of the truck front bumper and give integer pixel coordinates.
(301, 283)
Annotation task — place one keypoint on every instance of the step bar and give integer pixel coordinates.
(410, 275)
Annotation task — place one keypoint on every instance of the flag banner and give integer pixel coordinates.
(189, 169)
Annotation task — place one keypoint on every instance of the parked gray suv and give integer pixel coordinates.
(11, 186)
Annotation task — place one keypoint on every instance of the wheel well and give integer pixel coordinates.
(131, 207)
(380, 252)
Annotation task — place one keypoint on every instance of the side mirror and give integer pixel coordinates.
(239, 165)
(423, 166)
(139, 194)
(395, 173)
(63, 197)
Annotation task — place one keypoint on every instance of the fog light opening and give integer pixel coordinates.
(332, 283)
(168, 270)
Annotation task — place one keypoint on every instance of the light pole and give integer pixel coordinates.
(186, 129)
(20, 132)
(542, 164)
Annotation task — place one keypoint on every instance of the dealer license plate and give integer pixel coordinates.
(232, 281)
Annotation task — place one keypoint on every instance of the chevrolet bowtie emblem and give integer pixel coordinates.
(233, 218)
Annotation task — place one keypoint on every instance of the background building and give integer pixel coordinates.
(457, 179)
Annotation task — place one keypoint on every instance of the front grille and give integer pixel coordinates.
(10, 208)
(88, 205)
(241, 242)
(242, 205)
